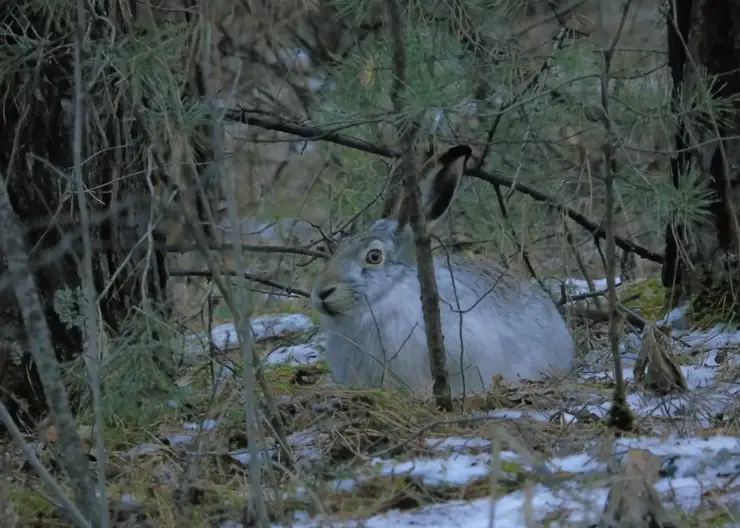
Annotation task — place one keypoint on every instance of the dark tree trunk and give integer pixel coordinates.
(704, 33)
(36, 163)
(678, 22)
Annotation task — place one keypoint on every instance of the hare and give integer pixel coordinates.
(370, 306)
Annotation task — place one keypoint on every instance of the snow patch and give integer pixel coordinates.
(224, 336)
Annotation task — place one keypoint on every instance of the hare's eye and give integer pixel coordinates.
(374, 257)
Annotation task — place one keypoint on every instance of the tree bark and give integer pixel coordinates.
(704, 45)
(35, 158)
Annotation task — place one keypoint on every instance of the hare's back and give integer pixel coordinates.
(494, 299)
(480, 282)
(511, 326)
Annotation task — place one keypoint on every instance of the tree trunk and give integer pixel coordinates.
(704, 35)
(36, 162)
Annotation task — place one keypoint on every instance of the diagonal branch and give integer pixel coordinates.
(289, 290)
(332, 136)
(15, 254)
(249, 248)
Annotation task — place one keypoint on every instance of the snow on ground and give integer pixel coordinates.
(575, 286)
(576, 507)
(691, 466)
(269, 326)
(696, 466)
(296, 355)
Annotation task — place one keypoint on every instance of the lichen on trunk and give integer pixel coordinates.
(36, 161)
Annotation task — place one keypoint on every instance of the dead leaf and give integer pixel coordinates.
(633, 501)
(655, 367)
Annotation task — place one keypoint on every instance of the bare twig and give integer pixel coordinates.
(581, 265)
(603, 316)
(531, 85)
(91, 338)
(42, 350)
(521, 250)
(187, 248)
(240, 308)
(214, 267)
(620, 415)
(260, 280)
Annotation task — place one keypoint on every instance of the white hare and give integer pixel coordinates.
(370, 305)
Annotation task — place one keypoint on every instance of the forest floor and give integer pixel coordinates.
(525, 452)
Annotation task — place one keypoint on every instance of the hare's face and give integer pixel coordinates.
(366, 267)
(363, 270)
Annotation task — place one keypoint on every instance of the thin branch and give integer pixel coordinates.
(187, 248)
(619, 415)
(240, 309)
(259, 280)
(601, 316)
(581, 264)
(91, 352)
(309, 133)
(515, 237)
(316, 134)
(42, 349)
(533, 84)
(215, 268)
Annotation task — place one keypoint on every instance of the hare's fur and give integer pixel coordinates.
(375, 327)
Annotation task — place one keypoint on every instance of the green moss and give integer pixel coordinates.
(31, 505)
(651, 293)
(717, 518)
(281, 377)
(222, 313)
(620, 416)
(716, 302)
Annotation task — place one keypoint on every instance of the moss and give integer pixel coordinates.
(282, 377)
(707, 518)
(222, 314)
(620, 416)
(650, 303)
(716, 302)
(31, 505)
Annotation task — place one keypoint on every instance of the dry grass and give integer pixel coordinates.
(348, 428)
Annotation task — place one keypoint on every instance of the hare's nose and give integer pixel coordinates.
(323, 294)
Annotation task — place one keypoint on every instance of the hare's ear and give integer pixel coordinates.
(442, 181)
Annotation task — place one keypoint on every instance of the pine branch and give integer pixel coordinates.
(332, 136)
